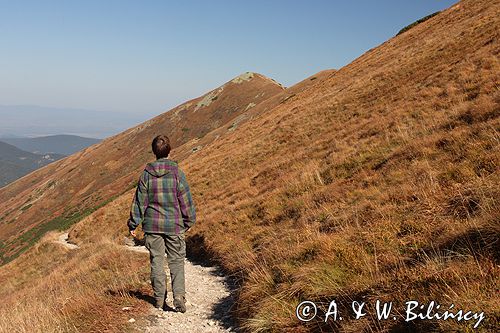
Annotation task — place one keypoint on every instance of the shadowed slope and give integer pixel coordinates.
(15, 163)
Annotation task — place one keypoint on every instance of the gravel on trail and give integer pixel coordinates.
(208, 300)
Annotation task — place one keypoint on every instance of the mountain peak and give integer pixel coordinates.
(247, 76)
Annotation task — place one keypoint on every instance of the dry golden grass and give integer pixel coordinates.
(107, 224)
(53, 289)
(380, 181)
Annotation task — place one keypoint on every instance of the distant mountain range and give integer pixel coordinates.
(15, 163)
(58, 144)
(20, 156)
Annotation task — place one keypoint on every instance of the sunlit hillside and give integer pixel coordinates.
(376, 181)
(64, 192)
(380, 182)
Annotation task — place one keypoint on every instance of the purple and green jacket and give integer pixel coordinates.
(162, 201)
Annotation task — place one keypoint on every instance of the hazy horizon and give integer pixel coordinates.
(35, 121)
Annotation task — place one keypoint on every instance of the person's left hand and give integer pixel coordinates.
(133, 233)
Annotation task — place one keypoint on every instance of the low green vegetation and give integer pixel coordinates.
(423, 19)
(60, 223)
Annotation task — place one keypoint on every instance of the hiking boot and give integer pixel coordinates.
(180, 304)
(160, 305)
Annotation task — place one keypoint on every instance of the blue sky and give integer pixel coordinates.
(144, 57)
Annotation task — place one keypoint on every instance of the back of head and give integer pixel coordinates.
(161, 146)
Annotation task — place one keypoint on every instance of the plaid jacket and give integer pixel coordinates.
(162, 201)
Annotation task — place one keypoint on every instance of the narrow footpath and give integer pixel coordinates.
(207, 294)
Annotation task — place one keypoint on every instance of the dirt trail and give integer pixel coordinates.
(63, 239)
(208, 300)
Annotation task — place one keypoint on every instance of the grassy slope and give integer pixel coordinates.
(52, 289)
(69, 189)
(84, 290)
(380, 181)
(86, 297)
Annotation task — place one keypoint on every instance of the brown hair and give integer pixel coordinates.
(161, 146)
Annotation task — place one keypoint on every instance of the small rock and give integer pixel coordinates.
(126, 308)
(131, 320)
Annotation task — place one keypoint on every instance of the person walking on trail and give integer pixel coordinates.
(164, 206)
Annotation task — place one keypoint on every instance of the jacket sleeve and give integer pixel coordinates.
(140, 202)
(186, 201)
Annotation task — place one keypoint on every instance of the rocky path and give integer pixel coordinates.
(63, 239)
(208, 300)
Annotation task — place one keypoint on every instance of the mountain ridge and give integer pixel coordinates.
(378, 181)
(64, 144)
(104, 170)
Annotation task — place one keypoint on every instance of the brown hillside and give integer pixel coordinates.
(99, 279)
(65, 191)
(104, 224)
(251, 111)
(377, 181)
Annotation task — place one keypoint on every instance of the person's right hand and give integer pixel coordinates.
(133, 233)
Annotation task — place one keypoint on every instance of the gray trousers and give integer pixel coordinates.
(175, 247)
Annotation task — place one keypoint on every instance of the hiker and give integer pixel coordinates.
(163, 204)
